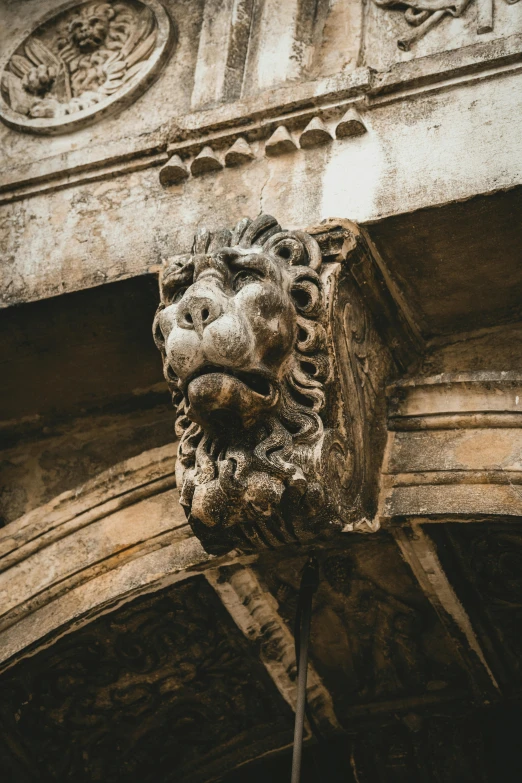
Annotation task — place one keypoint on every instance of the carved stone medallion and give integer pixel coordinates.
(274, 441)
(82, 62)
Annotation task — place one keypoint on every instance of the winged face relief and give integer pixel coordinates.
(82, 62)
(266, 451)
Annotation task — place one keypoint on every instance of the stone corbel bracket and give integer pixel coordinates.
(277, 365)
(455, 448)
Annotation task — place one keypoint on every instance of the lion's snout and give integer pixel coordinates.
(199, 308)
(244, 326)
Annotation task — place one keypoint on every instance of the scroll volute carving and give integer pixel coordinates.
(267, 350)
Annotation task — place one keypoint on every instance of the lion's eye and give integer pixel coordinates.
(244, 277)
(177, 295)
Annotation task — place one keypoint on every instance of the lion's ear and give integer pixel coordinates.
(220, 239)
(239, 230)
(180, 271)
(201, 242)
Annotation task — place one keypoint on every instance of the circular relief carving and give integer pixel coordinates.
(86, 60)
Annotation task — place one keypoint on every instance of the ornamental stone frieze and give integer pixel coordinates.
(83, 62)
(275, 369)
(307, 130)
(423, 15)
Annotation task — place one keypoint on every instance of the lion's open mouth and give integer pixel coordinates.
(220, 397)
(255, 381)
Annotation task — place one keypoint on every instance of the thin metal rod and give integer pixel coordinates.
(302, 673)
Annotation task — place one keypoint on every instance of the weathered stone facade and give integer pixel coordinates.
(346, 376)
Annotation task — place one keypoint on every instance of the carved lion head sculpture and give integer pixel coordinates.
(88, 29)
(241, 328)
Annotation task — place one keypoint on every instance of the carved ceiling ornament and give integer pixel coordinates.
(273, 445)
(423, 15)
(82, 62)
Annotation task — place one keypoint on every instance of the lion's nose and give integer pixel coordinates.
(197, 312)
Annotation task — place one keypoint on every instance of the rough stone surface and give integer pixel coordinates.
(148, 657)
(462, 283)
(471, 351)
(40, 465)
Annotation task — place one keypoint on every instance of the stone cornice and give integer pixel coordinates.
(454, 448)
(256, 119)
